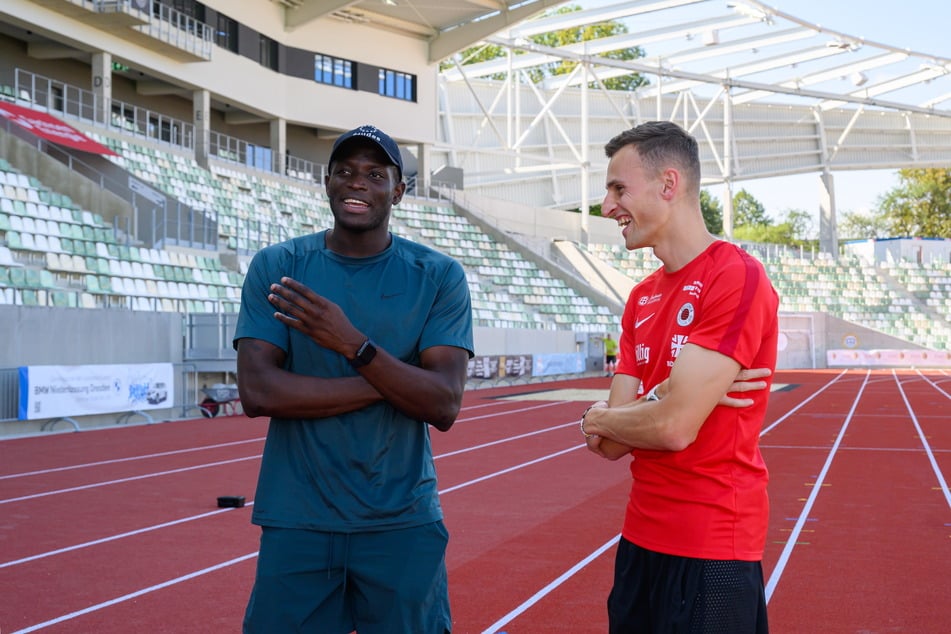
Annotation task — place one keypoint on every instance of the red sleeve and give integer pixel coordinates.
(739, 306)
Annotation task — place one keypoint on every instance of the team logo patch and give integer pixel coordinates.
(685, 315)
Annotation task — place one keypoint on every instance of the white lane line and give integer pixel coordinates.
(112, 538)
(777, 572)
(924, 442)
(129, 479)
(510, 469)
(512, 411)
(136, 594)
(796, 409)
(933, 384)
(203, 515)
(171, 582)
(535, 598)
(504, 440)
(234, 443)
(160, 454)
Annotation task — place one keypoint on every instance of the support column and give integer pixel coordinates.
(102, 86)
(828, 231)
(585, 160)
(423, 170)
(201, 102)
(728, 161)
(728, 209)
(279, 145)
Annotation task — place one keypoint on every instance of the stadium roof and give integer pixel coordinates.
(747, 46)
(449, 25)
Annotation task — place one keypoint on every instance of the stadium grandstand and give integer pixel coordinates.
(148, 148)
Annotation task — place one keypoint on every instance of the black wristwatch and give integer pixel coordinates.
(365, 354)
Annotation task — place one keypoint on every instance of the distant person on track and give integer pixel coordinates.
(354, 341)
(689, 560)
(610, 355)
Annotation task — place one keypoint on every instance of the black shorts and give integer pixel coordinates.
(610, 358)
(665, 594)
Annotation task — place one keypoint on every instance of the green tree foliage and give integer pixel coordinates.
(554, 39)
(712, 212)
(857, 226)
(748, 212)
(920, 205)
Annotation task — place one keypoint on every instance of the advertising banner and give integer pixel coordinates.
(51, 128)
(889, 358)
(560, 363)
(52, 391)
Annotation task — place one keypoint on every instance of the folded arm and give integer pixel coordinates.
(699, 380)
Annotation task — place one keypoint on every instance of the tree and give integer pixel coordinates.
(920, 205)
(555, 39)
(712, 212)
(857, 226)
(747, 211)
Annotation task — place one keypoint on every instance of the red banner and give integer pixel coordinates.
(51, 128)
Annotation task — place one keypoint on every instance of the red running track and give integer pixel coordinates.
(117, 530)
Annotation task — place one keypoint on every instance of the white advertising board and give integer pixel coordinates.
(52, 391)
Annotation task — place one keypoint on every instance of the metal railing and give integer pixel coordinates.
(54, 96)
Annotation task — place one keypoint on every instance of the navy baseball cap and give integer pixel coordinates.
(376, 135)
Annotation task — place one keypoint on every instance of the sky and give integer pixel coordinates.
(921, 25)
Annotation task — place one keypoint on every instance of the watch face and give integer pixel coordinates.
(364, 355)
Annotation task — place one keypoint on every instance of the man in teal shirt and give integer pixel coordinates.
(354, 341)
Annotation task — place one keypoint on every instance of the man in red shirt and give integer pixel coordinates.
(695, 527)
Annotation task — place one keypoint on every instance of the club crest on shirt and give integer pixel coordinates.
(685, 315)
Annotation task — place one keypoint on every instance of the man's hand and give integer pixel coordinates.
(745, 381)
(317, 317)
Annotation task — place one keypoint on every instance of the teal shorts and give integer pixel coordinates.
(334, 583)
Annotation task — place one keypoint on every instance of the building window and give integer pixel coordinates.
(268, 53)
(226, 33)
(398, 85)
(333, 71)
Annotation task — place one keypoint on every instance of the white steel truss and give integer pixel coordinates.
(765, 93)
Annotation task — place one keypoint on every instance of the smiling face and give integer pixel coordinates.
(635, 199)
(362, 187)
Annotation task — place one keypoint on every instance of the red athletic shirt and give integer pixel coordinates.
(709, 500)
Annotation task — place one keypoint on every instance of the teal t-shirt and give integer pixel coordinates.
(371, 469)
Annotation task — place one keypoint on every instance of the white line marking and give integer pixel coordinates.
(535, 598)
(171, 582)
(112, 538)
(129, 479)
(933, 384)
(924, 443)
(777, 572)
(796, 409)
(504, 440)
(129, 459)
(136, 594)
(510, 469)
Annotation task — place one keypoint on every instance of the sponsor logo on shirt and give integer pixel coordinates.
(642, 354)
(677, 344)
(640, 322)
(694, 288)
(644, 300)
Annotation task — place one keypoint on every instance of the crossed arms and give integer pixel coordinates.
(267, 389)
(699, 380)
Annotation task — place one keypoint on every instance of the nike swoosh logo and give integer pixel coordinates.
(640, 322)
